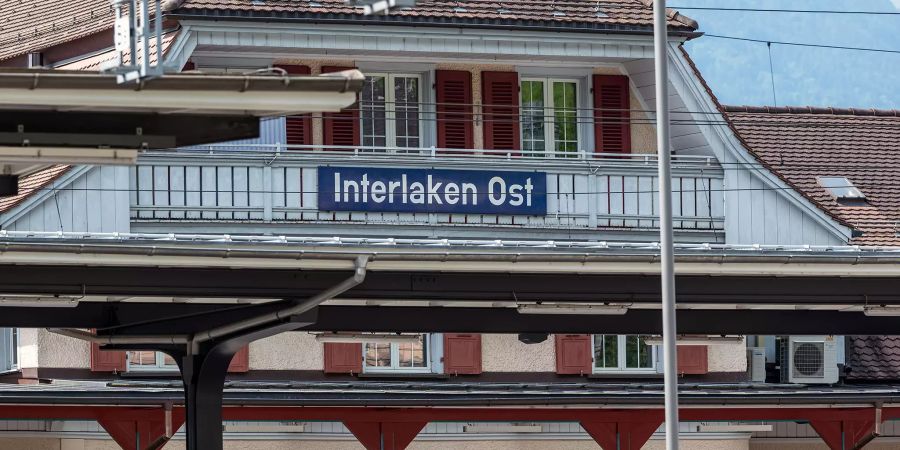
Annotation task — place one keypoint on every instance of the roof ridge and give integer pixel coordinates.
(813, 110)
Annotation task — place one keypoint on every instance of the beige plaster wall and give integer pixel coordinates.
(30, 444)
(504, 353)
(287, 351)
(40, 348)
(728, 358)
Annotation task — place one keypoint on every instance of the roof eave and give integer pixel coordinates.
(685, 32)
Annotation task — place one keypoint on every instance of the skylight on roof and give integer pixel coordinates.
(842, 189)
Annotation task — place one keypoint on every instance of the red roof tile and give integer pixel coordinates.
(31, 184)
(620, 13)
(33, 25)
(802, 144)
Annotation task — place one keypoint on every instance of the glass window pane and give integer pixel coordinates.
(638, 355)
(565, 117)
(606, 351)
(406, 107)
(413, 354)
(533, 139)
(378, 355)
(373, 103)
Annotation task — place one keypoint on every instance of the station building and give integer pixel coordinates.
(480, 122)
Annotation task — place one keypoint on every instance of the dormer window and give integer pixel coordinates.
(843, 190)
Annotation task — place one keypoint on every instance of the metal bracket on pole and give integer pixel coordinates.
(133, 35)
(667, 249)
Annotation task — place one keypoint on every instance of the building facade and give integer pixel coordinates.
(513, 121)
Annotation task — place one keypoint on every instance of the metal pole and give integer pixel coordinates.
(667, 250)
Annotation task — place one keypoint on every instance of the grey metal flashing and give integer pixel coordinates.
(72, 80)
(443, 393)
(418, 21)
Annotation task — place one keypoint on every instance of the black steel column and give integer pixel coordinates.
(203, 375)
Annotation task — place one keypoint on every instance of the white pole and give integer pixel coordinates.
(667, 251)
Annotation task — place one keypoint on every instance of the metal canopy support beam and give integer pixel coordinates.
(844, 434)
(385, 435)
(149, 430)
(629, 430)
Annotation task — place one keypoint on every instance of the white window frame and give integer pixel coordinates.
(390, 111)
(11, 355)
(395, 359)
(550, 117)
(620, 353)
(160, 365)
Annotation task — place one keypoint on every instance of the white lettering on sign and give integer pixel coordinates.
(432, 191)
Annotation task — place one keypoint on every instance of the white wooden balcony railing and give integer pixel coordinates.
(273, 183)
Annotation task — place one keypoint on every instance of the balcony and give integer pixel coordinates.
(233, 187)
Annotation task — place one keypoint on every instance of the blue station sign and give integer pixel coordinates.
(432, 190)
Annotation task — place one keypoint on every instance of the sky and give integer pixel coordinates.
(738, 71)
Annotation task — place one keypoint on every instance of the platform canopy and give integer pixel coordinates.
(75, 117)
(422, 285)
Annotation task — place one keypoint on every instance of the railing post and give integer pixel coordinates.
(593, 199)
(268, 193)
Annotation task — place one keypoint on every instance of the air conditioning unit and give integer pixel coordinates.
(811, 360)
(756, 364)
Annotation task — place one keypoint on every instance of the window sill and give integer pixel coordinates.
(629, 375)
(401, 375)
(151, 374)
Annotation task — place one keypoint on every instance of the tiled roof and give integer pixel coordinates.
(31, 184)
(873, 358)
(95, 61)
(802, 144)
(32, 25)
(612, 14)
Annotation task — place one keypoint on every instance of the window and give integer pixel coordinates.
(390, 113)
(549, 117)
(9, 346)
(843, 190)
(397, 357)
(150, 360)
(623, 353)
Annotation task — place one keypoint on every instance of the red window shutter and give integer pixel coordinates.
(454, 109)
(612, 118)
(240, 363)
(500, 98)
(341, 128)
(343, 358)
(106, 360)
(299, 127)
(573, 354)
(462, 354)
(693, 359)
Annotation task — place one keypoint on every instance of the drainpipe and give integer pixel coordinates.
(299, 307)
(874, 434)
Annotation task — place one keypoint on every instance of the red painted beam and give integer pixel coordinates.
(624, 435)
(385, 435)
